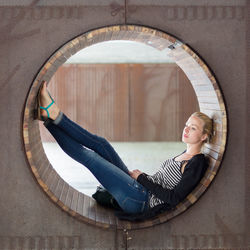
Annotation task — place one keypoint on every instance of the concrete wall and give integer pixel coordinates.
(30, 31)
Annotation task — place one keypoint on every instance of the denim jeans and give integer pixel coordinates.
(102, 160)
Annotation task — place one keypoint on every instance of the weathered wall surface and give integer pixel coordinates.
(31, 31)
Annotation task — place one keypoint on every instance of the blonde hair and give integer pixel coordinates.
(208, 125)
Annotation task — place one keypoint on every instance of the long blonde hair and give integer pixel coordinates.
(208, 125)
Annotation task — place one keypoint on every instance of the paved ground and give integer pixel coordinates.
(146, 156)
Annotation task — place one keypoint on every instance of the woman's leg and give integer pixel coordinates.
(49, 109)
(91, 141)
(130, 195)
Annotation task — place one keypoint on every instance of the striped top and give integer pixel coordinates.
(168, 176)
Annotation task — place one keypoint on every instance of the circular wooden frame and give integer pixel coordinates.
(210, 101)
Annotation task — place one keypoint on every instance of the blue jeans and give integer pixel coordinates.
(101, 159)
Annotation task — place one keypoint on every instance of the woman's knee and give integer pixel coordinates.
(103, 141)
(105, 145)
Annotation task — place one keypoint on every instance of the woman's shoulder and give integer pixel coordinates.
(197, 165)
(198, 157)
(198, 160)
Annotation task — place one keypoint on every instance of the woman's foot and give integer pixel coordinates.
(46, 105)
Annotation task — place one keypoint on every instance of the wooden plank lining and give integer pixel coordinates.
(69, 197)
(59, 187)
(208, 94)
(211, 106)
(46, 167)
(79, 207)
(207, 99)
(36, 146)
(102, 214)
(215, 155)
(85, 207)
(74, 202)
(41, 165)
(213, 147)
(38, 155)
(46, 174)
(54, 182)
(91, 209)
(64, 192)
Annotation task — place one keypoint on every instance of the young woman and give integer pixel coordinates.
(139, 195)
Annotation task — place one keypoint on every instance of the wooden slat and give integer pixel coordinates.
(45, 169)
(207, 181)
(92, 210)
(74, 202)
(212, 153)
(101, 35)
(199, 190)
(216, 115)
(133, 35)
(219, 126)
(79, 208)
(34, 134)
(102, 214)
(59, 187)
(46, 174)
(211, 106)
(219, 138)
(213, 166)
(214, 147)
(69, 197)
(178, 54)
(57, 59)
(85, 207)
(210, 93)
(201, 82)
(197, 75)
(64, 193)
(65, 50)
(38, 157)
(34, 139)
(41, 164)
(50, 178)
(54, 183)
(203, 89)
(82, 41)
(207, 99)
(108, 36)
(112, 219)
(37, 147)
(121, 35)
(73, 46)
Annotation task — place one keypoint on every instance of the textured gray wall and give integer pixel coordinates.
(30, 31)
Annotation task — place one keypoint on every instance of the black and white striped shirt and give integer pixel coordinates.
(168, 176)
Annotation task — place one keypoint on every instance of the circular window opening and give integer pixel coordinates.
(206, 90)
(128, 92)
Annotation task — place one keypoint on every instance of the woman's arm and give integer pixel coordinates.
(194, 171)
(135, 173)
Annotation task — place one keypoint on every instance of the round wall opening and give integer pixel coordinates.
(210, 102)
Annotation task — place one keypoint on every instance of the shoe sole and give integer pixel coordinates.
(39, 116)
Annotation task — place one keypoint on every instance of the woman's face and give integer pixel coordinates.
(193, 131)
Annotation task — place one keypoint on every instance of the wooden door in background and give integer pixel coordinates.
(125, 102)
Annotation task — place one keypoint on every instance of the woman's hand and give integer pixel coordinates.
(135, 173)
